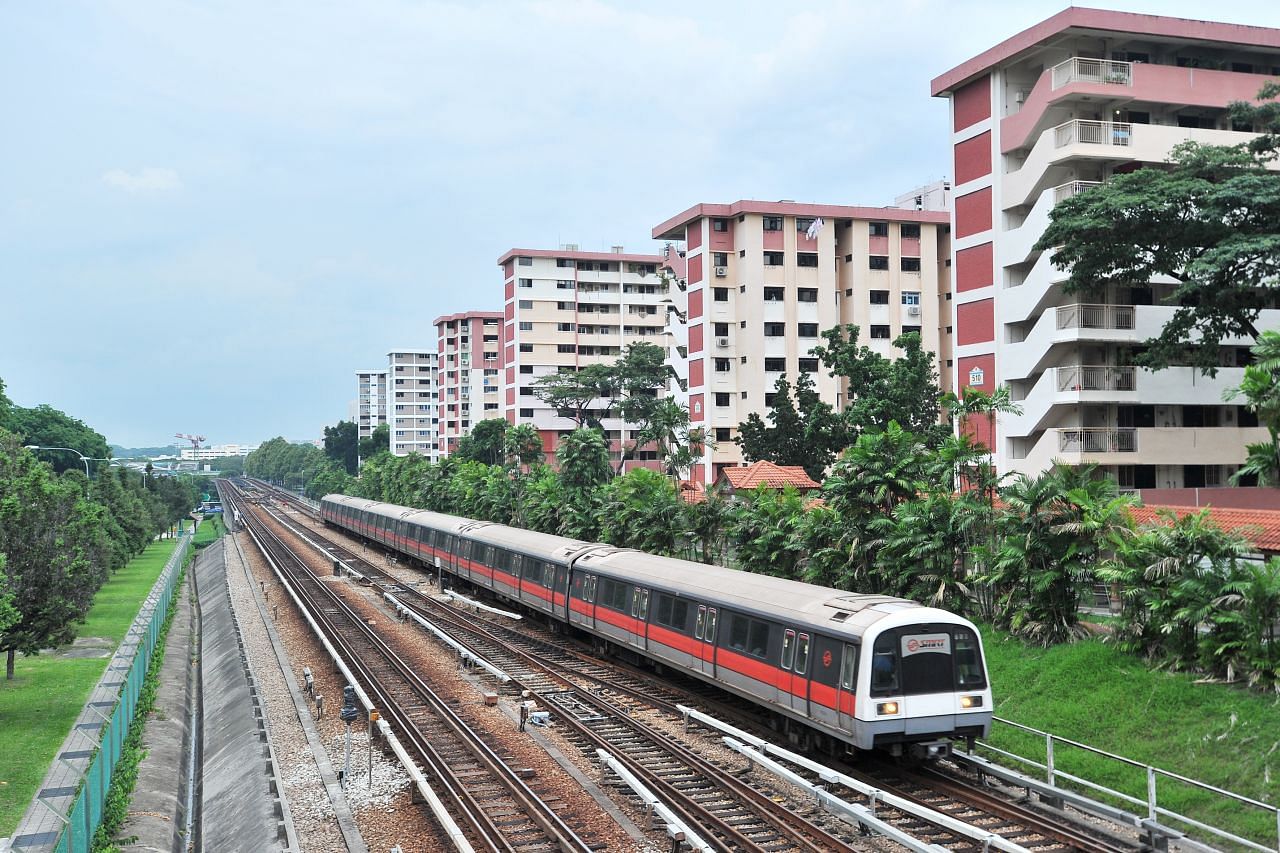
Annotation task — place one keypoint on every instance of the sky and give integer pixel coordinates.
(213, 213)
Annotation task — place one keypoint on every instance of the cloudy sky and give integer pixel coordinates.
(212, 213)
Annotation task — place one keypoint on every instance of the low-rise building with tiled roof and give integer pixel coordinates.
(1260, 526)
(751, 477)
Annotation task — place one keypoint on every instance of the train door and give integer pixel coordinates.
(560, 593)
(704, 632)
(794, 682)
(640, 618)
(846, 700)
(824, 681)
(581, 600)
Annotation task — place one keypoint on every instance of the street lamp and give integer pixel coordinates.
(83, 458)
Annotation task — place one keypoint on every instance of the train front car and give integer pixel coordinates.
(924, 681)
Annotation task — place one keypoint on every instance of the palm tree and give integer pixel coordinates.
(1260, 386)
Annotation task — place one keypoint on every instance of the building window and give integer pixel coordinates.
(526, 348)
(719, 259)
(565, 284)
(566, 348)
(564, 327)
(526, 282)
(879, 229)
(723, 365)
(565, 263)
(722, 398)
(803, 224)
(910, 265)
(526, 368)
(878, 262)
(773, 259)
(773, 294)
(720, 294)
(722, 434)
(879, 297)
(808, 365)
(910, 297)
(807, 259)
(526, 303)
(526, 413)
(526, 326)
(906, 329)
(721, 330)
(775, 330)
(808, 330)
(880, 332)
(775, 365)
(564, 306)
(524, 261)
(772, 223)
(719, 225)
(909, 231)
(807, 294)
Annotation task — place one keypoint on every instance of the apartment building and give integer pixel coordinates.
(371, 400)
(1051, 112)
(470, 365)
(765, 279)
(413, 410)
(565, 309)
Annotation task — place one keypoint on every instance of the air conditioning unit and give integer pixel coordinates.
(722, 343)
(721, 272)
(913, 310)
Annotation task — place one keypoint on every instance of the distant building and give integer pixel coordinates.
(413, 397)
(216, 451)
(764, 279)
(935, 196)
(371, 400)
(470, 371)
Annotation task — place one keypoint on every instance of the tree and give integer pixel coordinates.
(881, 390)
(1260, 386)
(341, 444)
(331, 478)
(1210, 221)
(641, 510)
(764, 532)
(6, 408)
(486, 443)
(9, 615)
(376, 442)
(803, 429)
(665, 427)
(46, 426)
(522, 445)
(579, 394)
(583, 457)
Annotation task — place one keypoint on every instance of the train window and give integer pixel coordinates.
(490, 556)
(802, 654)
(702, 622)
(532, 571)
(591, 588)
(749, 635)
(710, 636)
(549, 576)
(739, 631)
(788, 648)
(884, 665)
(674, 613)
(969, 674)
(849, 668)
(640, 603)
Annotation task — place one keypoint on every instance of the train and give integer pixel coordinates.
(836, 671)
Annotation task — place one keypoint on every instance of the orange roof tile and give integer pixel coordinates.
(1259, 526)
(767, 474)
(692, 492)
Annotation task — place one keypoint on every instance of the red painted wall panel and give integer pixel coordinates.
(510, 311)
(971, 103)
(695, 269)
(696, 412)
(975, 322)
(509, 290)
(973, 158)
(695, 304)
(695, 338)
(508, 269)
(973, 213)
(979, 428)
(696, 377)
(975, 267)
(693, 235)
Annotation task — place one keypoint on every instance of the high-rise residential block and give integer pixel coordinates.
(371, 400)
(765, 279)
(413, 384)
(1051, 112)
(470, 362)
(565, 309)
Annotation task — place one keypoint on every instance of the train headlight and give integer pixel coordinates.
(886, 708)
(970, 701)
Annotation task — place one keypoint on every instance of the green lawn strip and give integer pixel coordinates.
(39, 706)
(1091, 692)
(209, 530)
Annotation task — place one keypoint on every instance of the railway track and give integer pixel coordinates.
(600, 698)
(495, 807)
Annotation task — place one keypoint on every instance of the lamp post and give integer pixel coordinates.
(83, 458)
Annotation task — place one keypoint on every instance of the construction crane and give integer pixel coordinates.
(194, 439)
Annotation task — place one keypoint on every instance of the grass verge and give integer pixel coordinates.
(208, 531)
(1091, 692)
(48, 692)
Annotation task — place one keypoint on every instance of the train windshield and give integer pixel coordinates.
(926, 659)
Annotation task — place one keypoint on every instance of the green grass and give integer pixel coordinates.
(209, 530)
(1093, 693)
(47, 693)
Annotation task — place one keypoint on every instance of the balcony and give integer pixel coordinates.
(1078, 69)
(1098, 440)
(1089, 377)
(1088, 132)
(1072, 188)
(1082, 316)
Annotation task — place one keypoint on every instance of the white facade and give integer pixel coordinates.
(413, 402)
(216, 451)
(371, 400)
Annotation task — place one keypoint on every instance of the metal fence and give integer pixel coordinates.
(86, 812)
